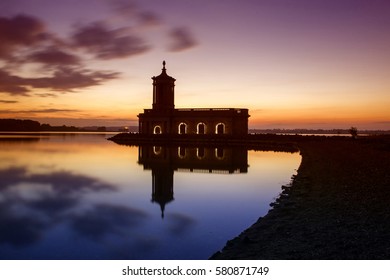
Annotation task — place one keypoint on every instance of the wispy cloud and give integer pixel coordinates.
(19, 31)
(130, 10)
(106, 43)
(46, 94)
(64, 79)
(35, 111)
(147, 18)
(12, 84)
(53, 56)
(51, 111)
(26, 42)
(8, 101)
(181, 39)
(68, 79)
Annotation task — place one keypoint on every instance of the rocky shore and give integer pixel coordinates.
(337, 206)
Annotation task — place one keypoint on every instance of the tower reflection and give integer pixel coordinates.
(163, 161)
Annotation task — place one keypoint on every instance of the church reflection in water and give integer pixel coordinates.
(163, 161)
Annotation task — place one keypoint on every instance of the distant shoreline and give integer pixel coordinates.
(335, 208)
(25, 125)
(22, 125)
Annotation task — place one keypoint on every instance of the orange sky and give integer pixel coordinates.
(294, 64)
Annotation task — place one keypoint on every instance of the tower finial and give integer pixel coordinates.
(163, 65)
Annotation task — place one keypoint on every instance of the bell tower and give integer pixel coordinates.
(163, 91)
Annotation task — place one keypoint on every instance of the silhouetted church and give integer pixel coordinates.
(163, 118)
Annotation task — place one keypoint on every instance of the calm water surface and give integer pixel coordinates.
(79, 196)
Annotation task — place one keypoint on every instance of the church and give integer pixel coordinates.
(164, 118)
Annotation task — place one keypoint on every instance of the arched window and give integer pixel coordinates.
(182, 128)
(157, 150)
(219, 153)
(157, 129)
(200, 153)
(220, 128)
(201, 128)
(181, 152)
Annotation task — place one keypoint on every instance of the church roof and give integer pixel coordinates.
(163, 75)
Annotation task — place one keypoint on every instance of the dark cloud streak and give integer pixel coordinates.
(8, 101)
(68, 79)
(51, 111)
(38, 111)
(64, 79)
(12, 84)
(27, 41)
(107, 43)
(129, 10)
(52, 56)
(182, 39)
(21, 30)
(24, 40)
(147, 18)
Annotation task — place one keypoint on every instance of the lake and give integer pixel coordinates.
(80, 196)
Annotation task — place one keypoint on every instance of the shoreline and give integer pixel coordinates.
(266, 142)
(335, 208)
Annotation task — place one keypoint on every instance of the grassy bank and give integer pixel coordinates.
(337, 206)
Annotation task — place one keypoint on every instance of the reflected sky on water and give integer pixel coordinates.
(79, 196)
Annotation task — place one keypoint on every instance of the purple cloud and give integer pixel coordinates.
(21, 30)
(26, 40)
(123, 8)
(147, 18)
(107, 43)
(129, 10)
(63, 79)
(12, 84)
(53, 56)
(182, 39)
(68, 79)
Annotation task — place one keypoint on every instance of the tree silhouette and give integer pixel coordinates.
(354, 132)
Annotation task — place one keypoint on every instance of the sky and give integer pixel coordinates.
(293, 63)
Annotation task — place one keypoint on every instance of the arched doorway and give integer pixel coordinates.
(220, 128)
(157, 130)
(201, 128)
(157, 150)
(181, 152)
(219, 153)
(182, 128)
(200, 152)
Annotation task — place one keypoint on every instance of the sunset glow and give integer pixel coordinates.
(293, 64)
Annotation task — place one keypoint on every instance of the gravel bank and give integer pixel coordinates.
(337, 206)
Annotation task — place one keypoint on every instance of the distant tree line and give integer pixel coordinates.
(351, 131)
(30, 125)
